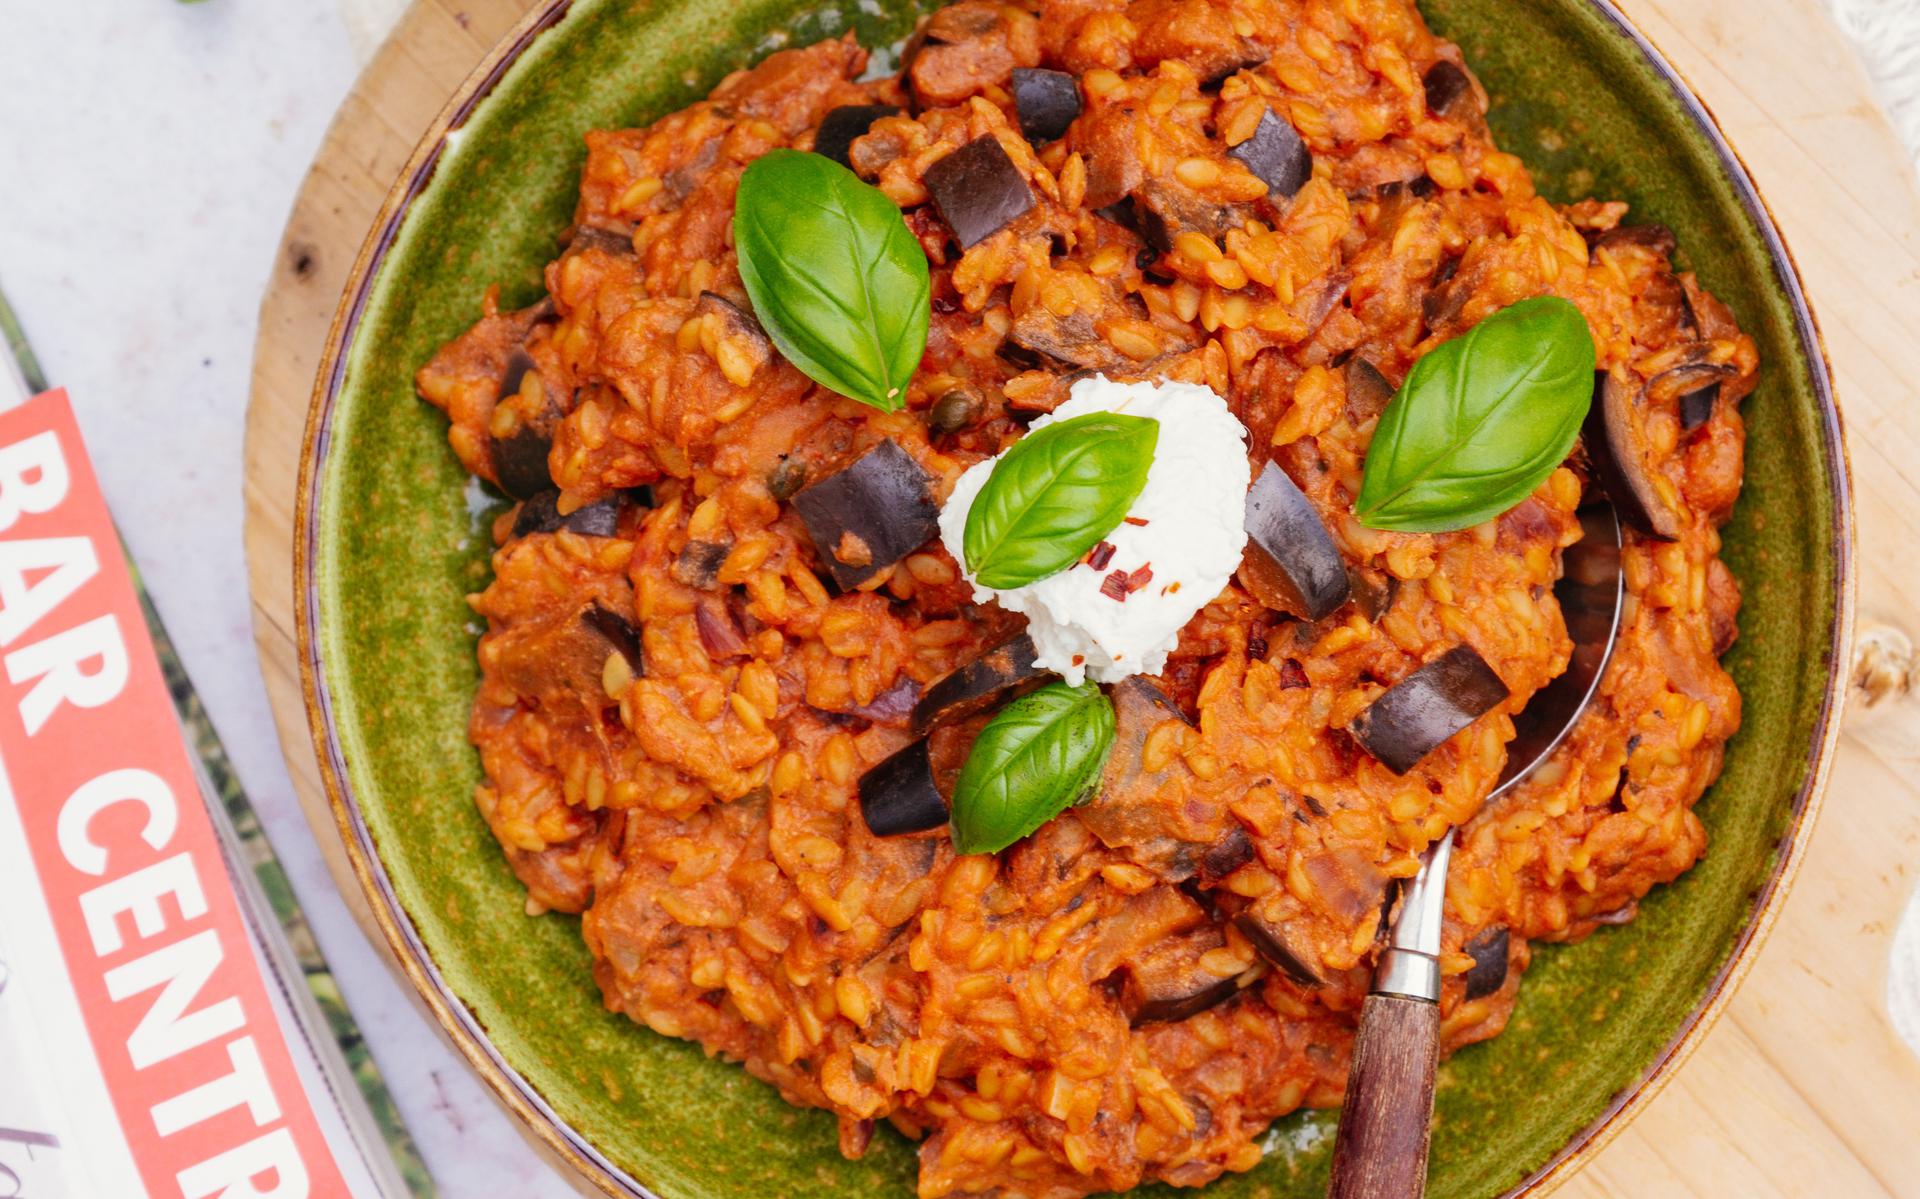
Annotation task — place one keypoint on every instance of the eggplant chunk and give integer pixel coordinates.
(1291, 564)
(1165, 209)
(698, 565)
(1276, 156)
(520, 458)
(1447, 86)
(1046, 101)
(560, 661)
(1225, 856)
(594, 237)
(1071, 339)
(519, 362)
(1367, 391)
(1694, 387)
(1155, 915)
(1269, 940)
(1347, 881)
(978, 191)
(1617, 450)
(1696, 406)
(520, 463)
(1142, 814)
(617, 631)
(1373, 591)
(899, 795)
(541, 514)
(841, 126)
(1165, 981)
(1131, 811)
(869, 514)
(1686, 377)
(999, 676)
(1488, 950)
(1417, 714)
(1657, 238)
(737, 326)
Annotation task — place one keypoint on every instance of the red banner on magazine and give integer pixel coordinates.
(148, 924)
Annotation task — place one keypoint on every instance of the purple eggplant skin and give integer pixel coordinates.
(1291, 564)
(1165, 209)
(1696, 406)
(520, 463)
(978, 191)
(1657, 238)
(1696, 386)
(520, 460)
(1269, 941)
(735, 319)
(1225, 856)
(1373, 591)
(1047, 103)
(1001, 675)
(1416, 715)
(1611, 436)
(1165, 1007)
(1367, 391)
(1166, 983)
(883, 499)
(593, 237)
(617, 631)
(541, 514)
(841, 125)
(899, 794)
(1488, 949)
(1446, 85)
(1276, 156)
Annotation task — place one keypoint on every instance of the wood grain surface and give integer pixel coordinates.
(1381, 1149)
(1802, 1088)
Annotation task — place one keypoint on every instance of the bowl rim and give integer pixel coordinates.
(519, 1095)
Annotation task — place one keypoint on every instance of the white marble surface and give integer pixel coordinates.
(149, 152)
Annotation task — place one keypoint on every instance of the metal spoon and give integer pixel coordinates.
(1387, 1116)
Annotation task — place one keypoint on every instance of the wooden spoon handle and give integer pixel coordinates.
(1381, 1149)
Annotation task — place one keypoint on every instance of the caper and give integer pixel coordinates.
(953, 411)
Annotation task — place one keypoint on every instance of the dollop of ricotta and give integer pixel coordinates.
(1188, 527)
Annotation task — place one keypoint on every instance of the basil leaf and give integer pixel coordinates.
(835, 276)
(1055, 494)
(1481, 421)
(1040, 755)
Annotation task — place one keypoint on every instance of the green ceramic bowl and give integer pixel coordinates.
(392, 536)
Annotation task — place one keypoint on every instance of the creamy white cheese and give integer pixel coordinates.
(1188, 526)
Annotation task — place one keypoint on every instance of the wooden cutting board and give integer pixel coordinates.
(1802, 1088)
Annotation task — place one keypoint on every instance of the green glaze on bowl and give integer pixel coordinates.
(394, 536)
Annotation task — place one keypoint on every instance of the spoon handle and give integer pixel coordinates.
(1381, 1149)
